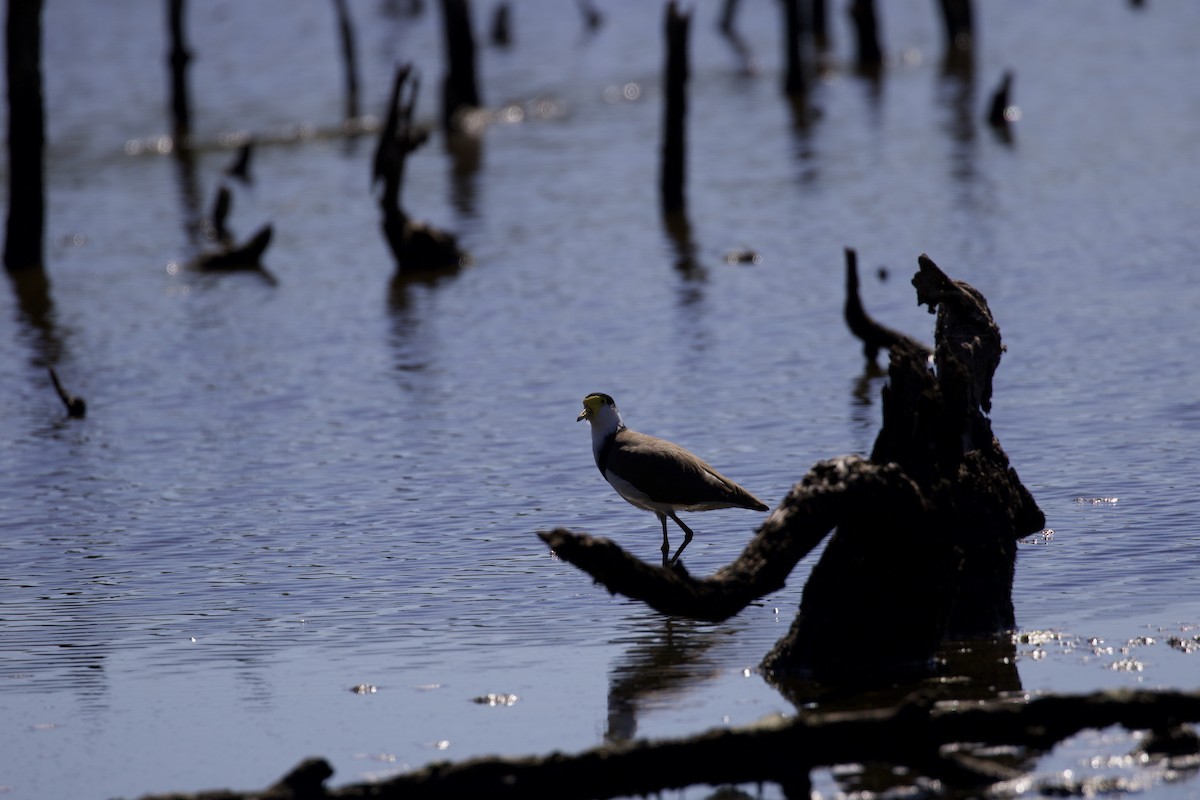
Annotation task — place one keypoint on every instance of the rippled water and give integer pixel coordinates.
(282, 492)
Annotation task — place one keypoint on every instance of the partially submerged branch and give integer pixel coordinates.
(918, 738)
(875, 337)
(831, 491)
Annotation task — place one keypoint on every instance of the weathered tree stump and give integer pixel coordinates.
(416, 246)
(927, 527)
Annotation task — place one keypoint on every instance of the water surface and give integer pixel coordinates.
(282, 492)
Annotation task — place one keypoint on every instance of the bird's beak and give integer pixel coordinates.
(582, 416)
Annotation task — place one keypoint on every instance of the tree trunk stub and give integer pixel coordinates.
(926, 529)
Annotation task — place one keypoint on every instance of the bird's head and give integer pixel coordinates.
(601, 411)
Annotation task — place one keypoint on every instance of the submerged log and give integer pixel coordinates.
(244, 257)
(918, 738)
(926, 528)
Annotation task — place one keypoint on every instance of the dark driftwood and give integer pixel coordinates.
(946, 742)
(244, 257)
(926, 528)
(25, 225)
(674, 144)
(416, 247)
(875, 337)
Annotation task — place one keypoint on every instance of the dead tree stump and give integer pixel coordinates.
(416, 246)
(925, 545)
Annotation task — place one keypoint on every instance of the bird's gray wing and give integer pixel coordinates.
(672, 474)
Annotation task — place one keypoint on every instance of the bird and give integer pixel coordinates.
(655, 474)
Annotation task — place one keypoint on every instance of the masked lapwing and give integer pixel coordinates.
(655, 474)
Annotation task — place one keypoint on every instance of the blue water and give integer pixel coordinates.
(283, 492)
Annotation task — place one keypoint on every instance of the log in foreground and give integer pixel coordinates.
(925, 738)
(926, 528)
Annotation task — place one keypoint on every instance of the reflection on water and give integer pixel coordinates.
(280, 492)
(667, 660)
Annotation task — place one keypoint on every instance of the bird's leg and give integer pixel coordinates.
(687, 537)
(666, 548)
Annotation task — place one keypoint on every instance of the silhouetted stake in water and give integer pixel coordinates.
(25, 225)
(926, 528)
(220, 212)
(875, 337)
(177, 60)
(349, 58)
(959, 26)
(416, 247)
(1000, 108)
(592, 18)
(460, 90)
(727, 28)
(674, 145)
(76, 406)
(794, 83)
(819, 22)
(502, 25)
(869, 58)
(240, 166)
